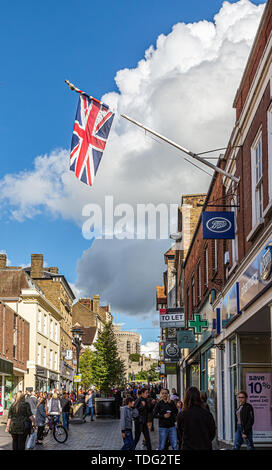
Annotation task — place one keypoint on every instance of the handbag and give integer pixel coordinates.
(32, 441)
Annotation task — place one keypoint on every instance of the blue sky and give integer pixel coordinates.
(44, 43)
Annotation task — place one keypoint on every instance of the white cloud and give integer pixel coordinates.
(183, 88)
(150, 348)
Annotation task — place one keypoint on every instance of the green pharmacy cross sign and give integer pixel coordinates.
(198, 324)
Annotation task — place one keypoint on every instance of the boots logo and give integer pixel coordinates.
(218, 225)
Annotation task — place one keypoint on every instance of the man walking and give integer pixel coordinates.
(141, 421)
(244, 420)
(65, 406)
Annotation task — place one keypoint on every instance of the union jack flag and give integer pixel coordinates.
(91, 129)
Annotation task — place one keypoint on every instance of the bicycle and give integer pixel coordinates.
(60, 434)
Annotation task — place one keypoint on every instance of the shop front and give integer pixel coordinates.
(67, 373)
(53, 381)
(244, 349)
(6, 383)
(41, 381)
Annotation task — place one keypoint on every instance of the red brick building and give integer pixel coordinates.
(229, 282)
(14, 353)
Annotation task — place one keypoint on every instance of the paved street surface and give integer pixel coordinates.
(101, 434)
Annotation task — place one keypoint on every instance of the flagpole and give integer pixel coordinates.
(170, 142)
(179, 147)
(74, 88)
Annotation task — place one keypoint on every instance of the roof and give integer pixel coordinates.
(12, 282)
(88, 335)
(51, 275)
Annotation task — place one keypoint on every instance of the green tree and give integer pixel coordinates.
(152, 374)
(107, 367)
(85, 368)
(134, 357)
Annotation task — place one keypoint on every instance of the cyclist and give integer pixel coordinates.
(54, 407)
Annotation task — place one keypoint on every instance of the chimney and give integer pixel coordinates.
(86, 303)
(36, 266)
(3, 260)
(53, 270)
(95, 303)
(109, 308)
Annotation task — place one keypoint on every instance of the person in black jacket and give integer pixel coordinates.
(166, 411)
(195, 424)
(141, 405)
(244, 420)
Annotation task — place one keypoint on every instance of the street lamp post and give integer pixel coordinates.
(77, 339)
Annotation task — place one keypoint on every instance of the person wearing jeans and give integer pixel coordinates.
(244, 420)
(65, 405)
(89, 405)
(128, 414)
(166, 411)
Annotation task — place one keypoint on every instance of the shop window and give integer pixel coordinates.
(255, 349)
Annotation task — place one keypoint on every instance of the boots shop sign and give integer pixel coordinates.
(172, 318)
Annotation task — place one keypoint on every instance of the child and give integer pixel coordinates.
(128, 413)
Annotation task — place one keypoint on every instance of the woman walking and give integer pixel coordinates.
(20, 421)
(196, 426)
(40, 419)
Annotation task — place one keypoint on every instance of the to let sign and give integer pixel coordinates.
(172, 318)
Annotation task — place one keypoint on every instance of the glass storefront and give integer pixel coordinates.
(251, 370)
(8, 391)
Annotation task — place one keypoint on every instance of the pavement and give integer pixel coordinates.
(101, 434)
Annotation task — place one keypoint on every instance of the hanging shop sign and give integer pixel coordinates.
(171, 368)
(259, 390)
(68, 356)
(77, 378)
(198, 324)
(161, 350)
(171, 352)
(172, 318)
(186, 339)
(162, 369)
(219, 225)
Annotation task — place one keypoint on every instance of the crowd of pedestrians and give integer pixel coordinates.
(30, 410)
(187, 425)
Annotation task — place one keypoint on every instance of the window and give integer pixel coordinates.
(15, 318)
(39, 321)
(128, 346)
(269, 139)
(206, 267)
(51, 359)
(215, 255)
(193, 291)
(188, 301)
(257, 181)
(39, 354)
(199, 280)
(44, 356)
(56, 361)
(51, 329)
(45, 324)
(234, 242)
(56, 332)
